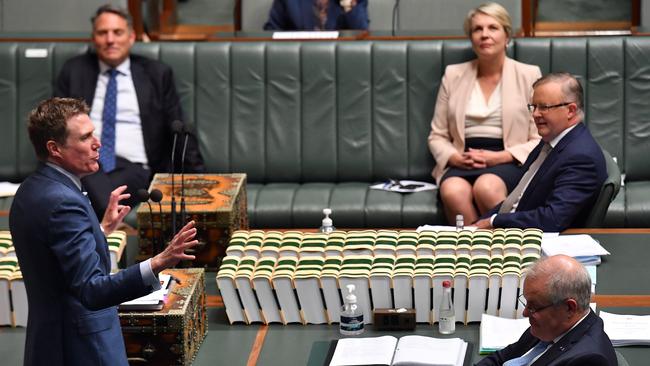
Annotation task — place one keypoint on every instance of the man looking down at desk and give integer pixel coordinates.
(319, 15)
(134, 105)
(62, 248)
(566, 170)
(563, 329)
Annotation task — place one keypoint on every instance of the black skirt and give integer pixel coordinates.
(510, 173)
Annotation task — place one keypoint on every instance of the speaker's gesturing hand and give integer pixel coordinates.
(175, 251)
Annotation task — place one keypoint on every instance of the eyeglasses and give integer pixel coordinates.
(523, 302)
(543, 108)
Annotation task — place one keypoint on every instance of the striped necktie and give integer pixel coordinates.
(526, 359)
(107, 153)
(516, 193)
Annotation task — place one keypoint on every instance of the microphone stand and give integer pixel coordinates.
(395, 17)
(156, 196)
(183, 211)
(177, 127)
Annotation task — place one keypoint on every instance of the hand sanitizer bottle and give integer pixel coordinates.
(327, 225)
(351, 315)
(447, 318)
(460, 222)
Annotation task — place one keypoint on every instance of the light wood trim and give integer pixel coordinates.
(622, 300)
(135, 9)
(257, 346)
(214, 301)
(527, 19)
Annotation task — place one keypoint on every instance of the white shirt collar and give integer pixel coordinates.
(76, 180)
(559, 137)
(124, 68)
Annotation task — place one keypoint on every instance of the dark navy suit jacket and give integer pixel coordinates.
(292, 15)
(586, 344)
(565, 188)
(65, 264)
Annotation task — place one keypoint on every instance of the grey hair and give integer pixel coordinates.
(571, 88)
(563, 283)
(112, 9)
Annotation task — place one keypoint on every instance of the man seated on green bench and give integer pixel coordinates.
(134, 105)
(563, 329)
(564, 173)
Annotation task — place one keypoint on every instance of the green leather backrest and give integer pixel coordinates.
(337, 111)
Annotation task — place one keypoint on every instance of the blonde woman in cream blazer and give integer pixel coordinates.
(475, 174)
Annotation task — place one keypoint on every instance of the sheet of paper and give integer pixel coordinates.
(364, 351)
(497, 333)
(626, 329)
(572, 245)
(8, 189)
(442, 228)
(306, 35)
(154, 297)
(421, 350)
(404, 186)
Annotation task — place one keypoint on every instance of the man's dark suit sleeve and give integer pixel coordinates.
(62, 86)
(278, 17)
(573, 187)
(357, 18)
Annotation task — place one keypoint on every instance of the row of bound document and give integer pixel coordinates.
(302, 280)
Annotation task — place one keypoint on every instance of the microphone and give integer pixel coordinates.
(157, 196)
(395, 17)
(177, 128)
(186, 131)
(143, 197)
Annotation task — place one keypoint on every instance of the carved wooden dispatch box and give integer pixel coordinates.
(216, 202)
(173, 335)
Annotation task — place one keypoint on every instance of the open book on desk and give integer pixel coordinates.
(408, 350)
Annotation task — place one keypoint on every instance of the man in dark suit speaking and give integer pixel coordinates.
(565, 171)
(62, 248)
(563, 329)
(133, 106)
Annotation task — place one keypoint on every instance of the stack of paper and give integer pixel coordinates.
(627, 330)
(582, 247)
(497, 333)
(153, 301)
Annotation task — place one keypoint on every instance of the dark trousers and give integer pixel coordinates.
(100, 185)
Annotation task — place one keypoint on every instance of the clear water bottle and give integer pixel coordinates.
(327, 226)
(351, 315)
(460, 222)
(446, 318)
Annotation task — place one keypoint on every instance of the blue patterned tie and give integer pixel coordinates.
(107, 153)
(528, 357)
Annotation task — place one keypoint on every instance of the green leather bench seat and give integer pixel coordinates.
(352, 203)
(314, 123)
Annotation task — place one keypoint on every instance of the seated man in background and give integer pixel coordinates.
(563, 329)
(564, 173)
(133, 104)
(309, 15)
